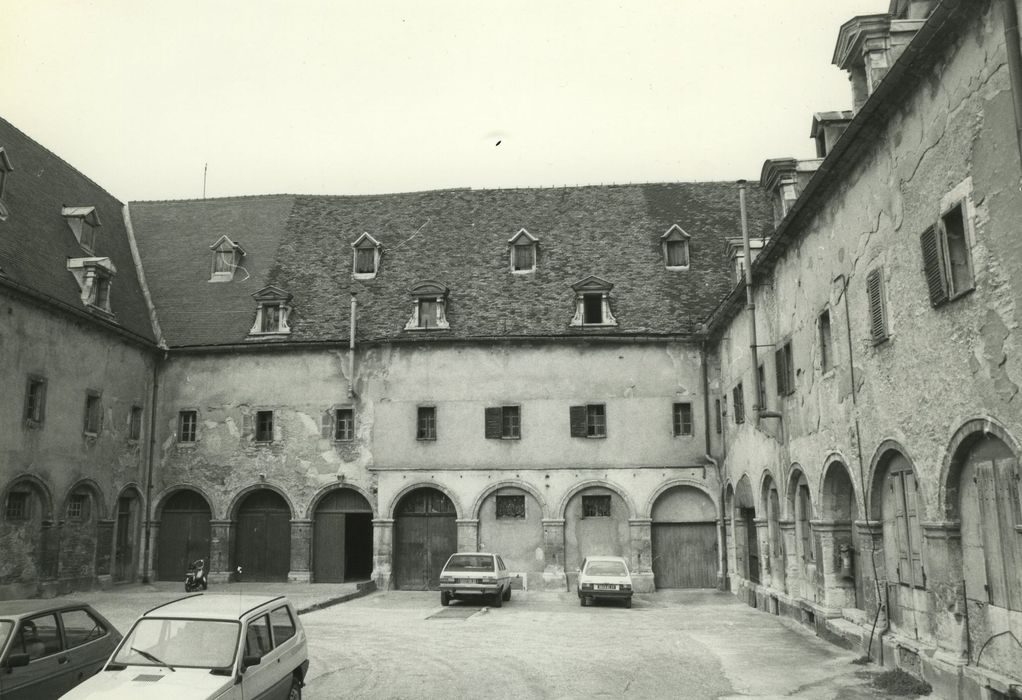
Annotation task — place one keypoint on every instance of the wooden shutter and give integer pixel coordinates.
(781, 372)
(1009, 517)
(248, 426)
(877, 313)
(915, 532)
(577, 417)
(934, 265)
(326, 425)
(986, 486)
(900, 528)
(493, 423)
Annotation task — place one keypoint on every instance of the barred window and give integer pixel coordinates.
(78, 507)
(17, 506)
(595, 506)
(510, 506)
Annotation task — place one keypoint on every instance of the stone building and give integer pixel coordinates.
(874, 423)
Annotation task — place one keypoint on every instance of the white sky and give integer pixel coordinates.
(343, 97)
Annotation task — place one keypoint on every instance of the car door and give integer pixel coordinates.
(87, 644)
(503, 577)
(267, 679)
(47, 674)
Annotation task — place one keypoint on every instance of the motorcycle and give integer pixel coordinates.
(196, 576)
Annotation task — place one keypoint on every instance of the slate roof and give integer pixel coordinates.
(302, 244)
(35, 240)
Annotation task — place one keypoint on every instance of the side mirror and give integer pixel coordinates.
(15, 660)
(250, 660)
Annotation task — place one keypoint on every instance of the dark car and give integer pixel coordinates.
(475, 574)
(49, 646)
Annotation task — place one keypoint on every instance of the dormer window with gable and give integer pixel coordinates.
(524, 248)
(674, 244)
(5, 169)
(429, 307)
(592, 303)
(272, 314)
(365, 257)
(94, 277)
(227, 257)
(83, 222)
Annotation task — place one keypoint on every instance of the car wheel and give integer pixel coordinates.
(628, 602)
(507, 593)
(445, 598)
(498, 599)
(296, 690)
(584, 601)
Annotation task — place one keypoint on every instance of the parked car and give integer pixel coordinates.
(604, 577)
(49, 646)
(208, 646)
(475, 574)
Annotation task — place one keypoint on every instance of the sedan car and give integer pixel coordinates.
(208, 646)
(604, 577)
(49, 646)
(475, 574)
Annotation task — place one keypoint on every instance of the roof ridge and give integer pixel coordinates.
(192, 200)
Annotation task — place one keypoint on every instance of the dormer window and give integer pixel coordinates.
(94, 277)
(272, 314)
(592, 303)
(675, 248)
(5, 169)
(365, 258)
(83, 222)
(524, 247)
(429, 307)
(227, 257)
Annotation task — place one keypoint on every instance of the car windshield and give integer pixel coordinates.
(470, 562)
(5, 630)
(187, 643)
(606, 568)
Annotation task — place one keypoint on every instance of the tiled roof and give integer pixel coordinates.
(302, 244)
(35, 240)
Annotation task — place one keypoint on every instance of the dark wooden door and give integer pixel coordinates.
(263, 542)
(751, 544)
(124, 543)
(328, 548)
(685, 555)
(184, 534)
(342, 548)
(425, 535)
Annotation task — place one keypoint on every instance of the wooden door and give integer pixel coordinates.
(184, 535)
(685, 555)
(328, 548)
(425, 535)
(342, 548)
(124, 555)
(751, 544)
(263, 543)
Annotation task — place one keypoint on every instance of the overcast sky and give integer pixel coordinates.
(347, 97)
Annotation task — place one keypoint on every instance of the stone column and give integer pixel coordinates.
(149, 566)
(468, 536)
(729, 554)
(221, 536)
(640, 555)
(763, 541)
(871, 552)
(554, 577)
(383, 552)
(49, 545)
(301, 551)
(838, 591)
(942, 561)
(792, 566)
(104, 552)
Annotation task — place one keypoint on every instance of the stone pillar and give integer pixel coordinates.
(729, 553)
(792, 566)
(104, 552)
(301, 551)
(468, 536)
(221, 536)
(942, 561)
(149, 566)
(763, 540)
(640, 555)
(871, 552)
(49, 545)
(383, 552)
(838, 591)
(554, 575)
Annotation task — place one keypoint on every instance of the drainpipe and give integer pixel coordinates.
(351, 348)
(1014, 51)
(706, 397)
(149, 467)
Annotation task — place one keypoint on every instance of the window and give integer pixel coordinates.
(503, 423)
(17, 507)
(272, 312)
(94, 277)
(877, 309)
(674, 245)
(588, 421)
(93, 413)
(80, 627)
(682, 419)
(78, 507)
(718, 417)
(264, 426)
(595, 506)
(271, 319)
(826, 342)
(738, 396)
(258, 641)
(283, 625)
(365, 257)
(947, 261)
(227, 257)
(344, 424)
(37, 637)
(83, 222)
(429, 307)
(135, 423)
(511, 507)
(761, 388)
(523, 252)
(784, 367)
(592, 303)
(426, 423)
(187, 425)
(804, 515)
(35, 400)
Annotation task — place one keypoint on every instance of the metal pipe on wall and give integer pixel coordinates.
(351, 347)
(750, 304)
(1014, 54)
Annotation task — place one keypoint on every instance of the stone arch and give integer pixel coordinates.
(240, 496)
(97, 494)
(766, 481)
(160, 502)
(38, 486)
(885, 452)
(838, 497)
(673, 483)
(507, 483)
(392, 505)
(310, 511)
(131, 489)
(578, 488)
(969, 433)
(744, 497)
(796, 475)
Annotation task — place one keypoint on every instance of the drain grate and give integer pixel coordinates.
(457, 613)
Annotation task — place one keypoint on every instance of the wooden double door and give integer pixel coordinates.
(425, 535)
(685, 555)
(342, 538)
(263, 537)
(184, 534)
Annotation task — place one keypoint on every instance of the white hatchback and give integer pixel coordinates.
(208, 646)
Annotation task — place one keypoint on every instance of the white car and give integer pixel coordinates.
(475, 574)
(208, 646)
(604, 577)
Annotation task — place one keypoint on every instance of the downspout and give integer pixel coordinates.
(351, 348)
(706, 399)
(149, 466)
(750, 304)
(1014, 55)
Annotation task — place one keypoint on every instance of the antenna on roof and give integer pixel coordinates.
(205, 167)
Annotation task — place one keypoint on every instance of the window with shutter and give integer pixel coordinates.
(577, 420)
(877, 311)
(738, 395)
(344, 424)
(761, 388)
(524, 257)
(717, 416)
(957, 258)
(135, 423)
(933, 265)
(365, 257)
(492, 420)
(365, 261)
(35, 400)
(780, 372)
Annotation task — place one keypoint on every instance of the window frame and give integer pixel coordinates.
(676, 235)
(597, 501)
(266, 298)
(679, 420)
(433, 293)
(35, 403)
(93, 424)
(590, 291)
(25, 512)
(78, 507)
(879, 328)
(340, 435)
(825, 333)
(425, 423)
(363, 244)
(182, 419)
(738, 400)
(135, 426)
(784, 369)
(503, 422)
(259, 434)
(517, 513)
(515, 243)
